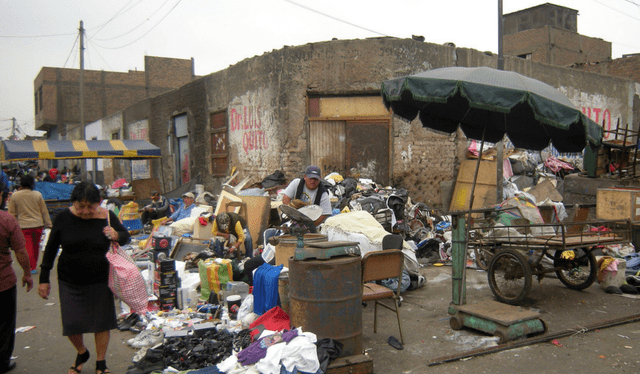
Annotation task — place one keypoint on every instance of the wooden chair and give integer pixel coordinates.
(382, 265)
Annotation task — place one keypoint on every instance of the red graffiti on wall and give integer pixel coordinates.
(249, 121)
(600, 116)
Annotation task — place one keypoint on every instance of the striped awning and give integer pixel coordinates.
(13, 150)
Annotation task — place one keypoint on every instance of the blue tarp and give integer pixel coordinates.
(54, 191)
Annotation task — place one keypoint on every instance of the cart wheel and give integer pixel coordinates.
(510, 276)
(456, 322)
(502, 335)
(579, 273)
(483, 257)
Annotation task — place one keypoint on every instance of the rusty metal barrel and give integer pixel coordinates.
(325, 298)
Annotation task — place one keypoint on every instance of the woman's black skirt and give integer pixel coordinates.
(87, 308)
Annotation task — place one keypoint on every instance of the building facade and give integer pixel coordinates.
(549, 34)
(320, 103)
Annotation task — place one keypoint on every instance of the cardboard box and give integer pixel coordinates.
(618, 203)
(167, 292)
(166, 278)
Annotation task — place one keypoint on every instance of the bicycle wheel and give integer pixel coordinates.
(579, 273)
(509, 276)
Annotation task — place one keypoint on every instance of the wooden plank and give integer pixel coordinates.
(485, 191)
(503, 314)
(257, 215)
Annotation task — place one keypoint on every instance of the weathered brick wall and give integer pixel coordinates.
(161, 72)
(189, 99)
(265, 98)
(105, 92)
(556, 46)
(626, 67)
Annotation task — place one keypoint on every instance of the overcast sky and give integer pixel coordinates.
(219, 33)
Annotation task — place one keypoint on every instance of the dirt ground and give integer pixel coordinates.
(427, 333)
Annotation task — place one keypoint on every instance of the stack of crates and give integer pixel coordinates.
(165, 285)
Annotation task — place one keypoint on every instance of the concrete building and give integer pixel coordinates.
(320, 103)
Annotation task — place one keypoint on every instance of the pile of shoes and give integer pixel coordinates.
(152, 361)
(128, 322)
(146, 338)
(193, 352)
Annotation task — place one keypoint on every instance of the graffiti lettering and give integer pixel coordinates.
(249, 119)
(600, 116)
(254, 140)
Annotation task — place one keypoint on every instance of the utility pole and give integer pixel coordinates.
(500, 145)
(81, 29)
(13, 129)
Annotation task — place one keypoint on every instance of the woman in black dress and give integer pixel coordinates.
(86, 302)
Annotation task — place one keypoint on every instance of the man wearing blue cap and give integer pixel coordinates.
(309, 190)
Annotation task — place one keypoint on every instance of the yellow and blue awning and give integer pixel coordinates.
(14, 150)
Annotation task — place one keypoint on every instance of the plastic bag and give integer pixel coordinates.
(246, 307)
(125, 280)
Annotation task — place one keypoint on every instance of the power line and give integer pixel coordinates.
(72, 49)
(139, 25)
(96, 51)
(616, 10)
(118, 13)
(151, 29)
(334, 18)
(34, 36)
(631, 2)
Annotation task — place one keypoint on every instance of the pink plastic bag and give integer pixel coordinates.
(125, 280)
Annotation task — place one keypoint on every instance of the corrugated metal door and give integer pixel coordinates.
(327, 146)
(367, 150)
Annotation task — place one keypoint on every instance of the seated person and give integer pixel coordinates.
(157, 209)
(310, 191)
(185, 209)
(227, 224)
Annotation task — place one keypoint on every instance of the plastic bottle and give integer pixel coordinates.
(225, 319)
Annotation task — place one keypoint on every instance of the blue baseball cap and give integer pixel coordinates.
(312, 172)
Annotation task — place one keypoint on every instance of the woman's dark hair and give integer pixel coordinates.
(27, 181)
(86, 191)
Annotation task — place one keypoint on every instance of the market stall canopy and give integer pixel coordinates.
(531, 113)
(75, 149)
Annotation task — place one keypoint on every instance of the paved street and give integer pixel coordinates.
(427, 333)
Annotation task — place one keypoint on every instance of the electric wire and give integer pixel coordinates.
(139, 25)
(333, 18)
(615, 10)
(148, 31)
(35, 36)
(114, 17)
(96, 51)
(72, 49)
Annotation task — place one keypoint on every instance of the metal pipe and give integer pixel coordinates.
(536, 340)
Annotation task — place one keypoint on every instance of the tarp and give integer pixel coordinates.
(12, 150)
(54, 191)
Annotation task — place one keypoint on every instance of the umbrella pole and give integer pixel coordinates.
(460, 244)
(475, 176)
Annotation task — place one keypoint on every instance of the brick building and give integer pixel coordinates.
(628, 66)
(57, 93)
(548, 34)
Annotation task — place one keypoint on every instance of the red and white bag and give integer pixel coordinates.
(125, 280)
